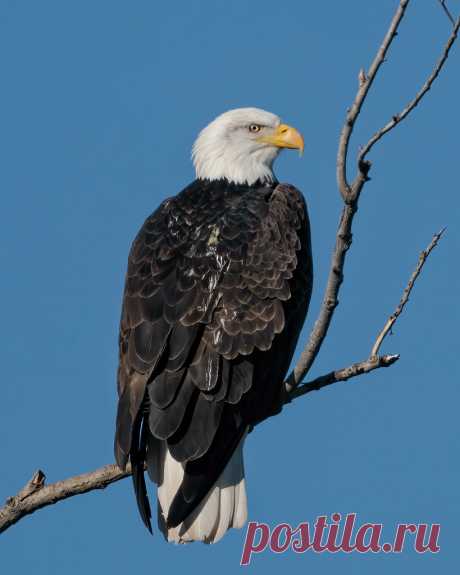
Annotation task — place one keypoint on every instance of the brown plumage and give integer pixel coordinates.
(217, 288)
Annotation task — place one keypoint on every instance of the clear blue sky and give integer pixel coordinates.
(99, 105)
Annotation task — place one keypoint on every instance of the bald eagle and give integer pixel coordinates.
(217, 288)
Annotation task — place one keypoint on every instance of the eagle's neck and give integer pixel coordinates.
(217, 160)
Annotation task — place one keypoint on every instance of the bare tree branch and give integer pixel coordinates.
(351, 193)
(330, 300)
(405, 297)
(35, 494)
(350, 196)
(343, 374)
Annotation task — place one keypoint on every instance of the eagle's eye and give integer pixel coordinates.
(254, 128)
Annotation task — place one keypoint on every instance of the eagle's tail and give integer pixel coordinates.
(225, 505)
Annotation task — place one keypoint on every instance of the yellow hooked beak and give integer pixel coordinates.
(284, 136)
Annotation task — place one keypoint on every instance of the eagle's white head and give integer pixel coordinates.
(241, 146)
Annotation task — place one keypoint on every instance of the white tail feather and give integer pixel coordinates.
(224, 507)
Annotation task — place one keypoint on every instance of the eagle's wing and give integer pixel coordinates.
(217, 288)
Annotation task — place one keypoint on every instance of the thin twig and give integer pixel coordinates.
(407, 291)
(374, 361)
(447, 11)
(35, 494)
(397, 118)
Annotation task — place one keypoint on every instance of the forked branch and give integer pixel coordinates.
(447, 11)
(351, 193)
(398, 118)
(365, 82)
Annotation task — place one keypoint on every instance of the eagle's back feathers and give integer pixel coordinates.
(218, 284)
